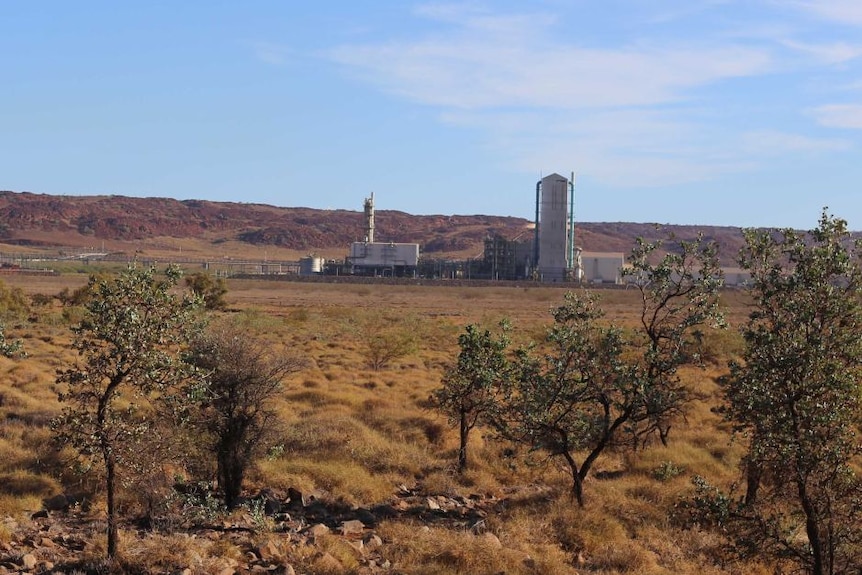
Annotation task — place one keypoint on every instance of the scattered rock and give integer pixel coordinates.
(270, 552)
(296, 500)
(372, 541)
(317, 530)
(326, 563)
(352, 526)
(490, 540)
(29, 561)
(271, 504)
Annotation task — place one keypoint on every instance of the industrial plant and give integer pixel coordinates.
(544, 251)
(547, 253)
(551, 254)
(370, 258)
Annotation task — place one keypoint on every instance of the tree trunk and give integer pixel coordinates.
(462, 450)
(110, 479)
(812, 529)
(230, 476)
(578, 489)
(577, 479)
(752, 482)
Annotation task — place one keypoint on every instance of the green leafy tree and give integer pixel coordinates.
(129, 344)
(211, 291)
(598, 387)
(469, 387)
(796, 396)
(234, 415)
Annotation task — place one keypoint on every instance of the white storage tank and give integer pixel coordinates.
(310, 265)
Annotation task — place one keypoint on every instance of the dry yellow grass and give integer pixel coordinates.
(357, 434)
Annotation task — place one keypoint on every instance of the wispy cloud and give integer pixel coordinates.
(778, 143)
(826, 53)
(630, 114)
(842, 11)
(487, 61)
(840, 116)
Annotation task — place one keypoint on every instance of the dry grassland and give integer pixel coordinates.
(355, 435)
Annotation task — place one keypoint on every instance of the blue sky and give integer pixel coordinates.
(745, 113)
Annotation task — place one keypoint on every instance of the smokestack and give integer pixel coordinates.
(369, 219)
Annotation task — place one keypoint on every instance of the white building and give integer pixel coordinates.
(383, 259)
(602, 267)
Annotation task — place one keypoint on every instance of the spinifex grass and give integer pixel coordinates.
(358, 434)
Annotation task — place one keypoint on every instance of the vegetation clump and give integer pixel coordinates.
(796, 399)
(130, 344)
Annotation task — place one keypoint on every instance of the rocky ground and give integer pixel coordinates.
(285, 533)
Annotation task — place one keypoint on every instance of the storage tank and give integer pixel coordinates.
(553, 229)
(310, 265)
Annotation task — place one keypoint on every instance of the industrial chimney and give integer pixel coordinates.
(369, 219)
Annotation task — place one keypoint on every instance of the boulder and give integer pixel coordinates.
(317, 530)
(372, 541)
(270, 552)
(296, 500)
(29, 561)
(351, 527)
(327, 563)
(490, 540)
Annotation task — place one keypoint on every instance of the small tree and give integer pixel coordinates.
(235, 412)
(797, 397)
(468, 391)
(385, 338)
(211, 291)
(129, 343)
(10, 348)
(597, 387)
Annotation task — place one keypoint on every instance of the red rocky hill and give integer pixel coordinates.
(40, 220)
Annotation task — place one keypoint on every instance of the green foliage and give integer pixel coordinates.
(212, 291)
(707, 507)
(796, 395)
(598, 387)
(10, 348)
(469, 387)
(667, 470)
(129, 344)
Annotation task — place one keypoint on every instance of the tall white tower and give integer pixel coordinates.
(553, 225)
(369, 219)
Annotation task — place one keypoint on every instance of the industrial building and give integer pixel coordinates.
(601, 267)
(381, 259)
(505, 259)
